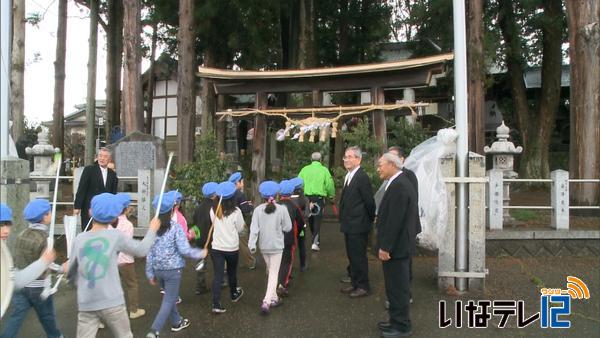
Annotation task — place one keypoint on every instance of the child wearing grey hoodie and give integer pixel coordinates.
(269, 221)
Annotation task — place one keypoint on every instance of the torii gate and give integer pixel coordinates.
(374, 78)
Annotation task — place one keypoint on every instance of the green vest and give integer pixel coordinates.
(28, 247)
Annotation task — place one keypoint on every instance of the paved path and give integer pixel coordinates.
(316, 308)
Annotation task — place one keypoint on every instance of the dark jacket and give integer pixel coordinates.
(397, 217)
(202, 220)
(357, 207)
(415, 182)
(91, 184)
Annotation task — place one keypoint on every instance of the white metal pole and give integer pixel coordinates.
(5, 46)
(462, 143)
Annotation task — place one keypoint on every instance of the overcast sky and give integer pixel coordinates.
(40, 53)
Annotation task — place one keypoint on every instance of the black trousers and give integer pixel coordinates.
(219, 258)
(85, 218)
(314, 222)
(356, 250)
(397, 288)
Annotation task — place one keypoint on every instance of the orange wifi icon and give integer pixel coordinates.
(577, 288)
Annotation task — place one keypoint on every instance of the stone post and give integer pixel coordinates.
(145, 195)
(495, 199)
(446, 250)
(476, 221)
(503, 152)
(14, 190)
(560, 199)
(43, 152)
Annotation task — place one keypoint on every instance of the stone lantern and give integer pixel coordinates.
(503, 152)
(43, 152)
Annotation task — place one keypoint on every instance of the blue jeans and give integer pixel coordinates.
(170, 280)
(21, 302)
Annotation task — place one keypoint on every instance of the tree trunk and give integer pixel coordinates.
(90, 111)
(114, 62)
(133, 114)
(475, 75)
(344, 52)
(17, 76)
(306, 43)
(151, 82)
(536, 126)
(186, 89)
(208, 97)
(58, 115)
(584, 151)
(552, 32)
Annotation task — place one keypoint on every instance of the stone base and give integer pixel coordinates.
(14, 190)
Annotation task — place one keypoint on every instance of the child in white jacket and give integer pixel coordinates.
(269, 221)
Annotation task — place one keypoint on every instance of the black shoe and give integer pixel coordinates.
(237, 294)
(182, 325)
(303, 268)
(218, 308)
(384, 325)
(393, 333)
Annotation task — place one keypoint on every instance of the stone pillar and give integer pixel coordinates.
(43, 152)
(560, 199)
(446, 250)
(476, 221)
(408, 95)
(14, 190)
(503, 152)
(145, 196)
(495, 194)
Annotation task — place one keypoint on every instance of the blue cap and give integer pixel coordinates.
(226, 190)
(268, 189)
(178, 196)
(297, 182)
(209, 189)
(36, 209)
(286, 188)
(167, 203)
(106, 207)
(5, 213)
(235, 177)
(125, 199)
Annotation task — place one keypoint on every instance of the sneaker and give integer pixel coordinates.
(237, 294)
(282, 291)
(201, 290)
(152, 334)
(218, 308)
(275, 303)
(182, 325)
(315, 247)
(137, 313)
(101, 325)
(162, 291)
(264, 308)
(179, 300)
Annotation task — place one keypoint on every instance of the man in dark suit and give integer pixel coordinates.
(398, 151)
(95, 179)
(357, 210)
(396, 227)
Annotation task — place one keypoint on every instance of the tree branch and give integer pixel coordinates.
(100, 20)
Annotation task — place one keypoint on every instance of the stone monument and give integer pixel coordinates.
(503, 152)
(42, 153)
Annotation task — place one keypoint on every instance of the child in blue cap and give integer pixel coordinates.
(303, 204)
(28, 246)
(246, 208)
(202, 222)
(33, 270)
(228, 224)
(286, 189)
(269, 221)
(94, 267)
(127, 262)
(5, 221)
(165, 263)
